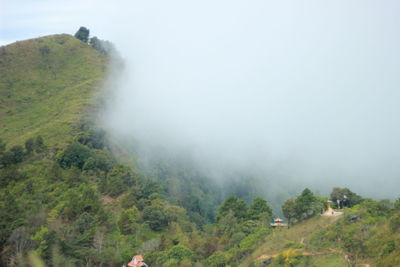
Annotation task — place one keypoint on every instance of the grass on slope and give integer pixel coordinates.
(298, 235)
(46, 85)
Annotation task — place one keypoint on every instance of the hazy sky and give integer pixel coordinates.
(309, 86)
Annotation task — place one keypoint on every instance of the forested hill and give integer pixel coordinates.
(66, 200)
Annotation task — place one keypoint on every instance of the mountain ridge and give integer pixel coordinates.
(36, 96)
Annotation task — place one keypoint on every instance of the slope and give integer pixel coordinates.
(296, 240)
(46, 84)
(80, 206)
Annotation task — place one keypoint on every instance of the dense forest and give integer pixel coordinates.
(67, 197)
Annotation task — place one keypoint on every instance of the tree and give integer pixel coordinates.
(74, 155)
(289, 209)
(90, 164)
(127, 221)
(258, 208)
(29, 145)
(305, 199)
(10, 174)
(20, 241)
(78, 200)
(104, 47)
(179, 252)
(13, 156)
(39, 144)
(234, 204)
(305, 204)
(345, 197)
(218, 259)
(154, 215)
(82, 34)
(6, 158)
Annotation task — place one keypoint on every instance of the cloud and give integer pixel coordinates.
(309, 88)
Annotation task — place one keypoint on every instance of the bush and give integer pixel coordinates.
(179, 252)
(218, 259)
(127, 221)
(155, 217)
(389, 247)
(251, 241)
(395, 222)
(74, 155)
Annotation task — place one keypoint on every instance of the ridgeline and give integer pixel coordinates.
(66, 200)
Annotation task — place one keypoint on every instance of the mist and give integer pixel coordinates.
(303, 93)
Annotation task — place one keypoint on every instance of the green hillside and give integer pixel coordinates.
(67, 200)
(46, 84)
(298, 237)
(367, 234)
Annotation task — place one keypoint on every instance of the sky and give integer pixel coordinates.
(306, 91)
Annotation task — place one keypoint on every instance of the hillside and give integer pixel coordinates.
(366, 235)
(298, 237)
(46, 84)
(67, 199)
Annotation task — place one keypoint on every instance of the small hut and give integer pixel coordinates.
(278, 222)
(137, 261)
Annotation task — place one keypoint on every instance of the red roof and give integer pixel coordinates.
(136, 261)
(139, 257)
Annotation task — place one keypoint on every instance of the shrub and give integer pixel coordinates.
(218, 259)
(75, 155)
(179, 252)
(155, 217)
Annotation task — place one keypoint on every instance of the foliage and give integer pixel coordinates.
(304, 206)
(14, 156)
(217, 259)
(289, 257)
(82, 34)
(345, 196)
(64, 195)
(179, 252)
(232, 203)
(127, 221)
(74, 155)
(104, 47)
(289, 209)
(44, 95)
(259, 208)
(395, 222)
(154, 215)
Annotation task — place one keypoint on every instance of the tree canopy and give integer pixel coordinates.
(82, 34)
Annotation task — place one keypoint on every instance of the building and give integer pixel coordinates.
(331, 212)
(137, 261)
(278, 222)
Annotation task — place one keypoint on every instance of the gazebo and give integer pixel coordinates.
(278, 222)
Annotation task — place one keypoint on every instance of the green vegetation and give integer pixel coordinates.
(303, 207)
(367, 233)
(82, 34)
(66, 200)
(47, 85)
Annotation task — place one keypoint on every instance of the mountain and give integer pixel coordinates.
(46, 85)
(68, 197)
